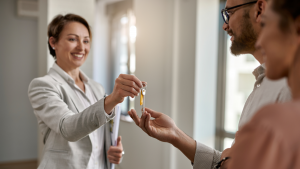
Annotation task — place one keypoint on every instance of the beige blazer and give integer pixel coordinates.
(64, 123)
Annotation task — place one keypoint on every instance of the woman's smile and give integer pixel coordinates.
(78, 56)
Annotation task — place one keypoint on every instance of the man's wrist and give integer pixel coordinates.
(185, 144)
(178, 136)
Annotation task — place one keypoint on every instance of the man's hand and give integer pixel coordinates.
(114, 153)
(162, 127)
(125, 85)
(225, 153)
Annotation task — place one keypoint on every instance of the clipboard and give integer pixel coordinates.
(115, 128)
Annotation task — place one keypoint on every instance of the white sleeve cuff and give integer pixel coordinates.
(110, 116)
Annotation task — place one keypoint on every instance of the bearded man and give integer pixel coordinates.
(242, 20)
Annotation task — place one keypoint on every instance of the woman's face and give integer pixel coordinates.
(73, 46)
(277, 47)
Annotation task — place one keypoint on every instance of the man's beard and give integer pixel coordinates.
(245, 43)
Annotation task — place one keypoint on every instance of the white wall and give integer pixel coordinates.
(152, 44)
(18, 66)
(165, 58)
(101, 59)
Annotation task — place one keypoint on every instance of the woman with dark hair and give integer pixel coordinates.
(72, 110)
(272, 138)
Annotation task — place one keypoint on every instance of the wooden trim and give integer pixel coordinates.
(29, 164)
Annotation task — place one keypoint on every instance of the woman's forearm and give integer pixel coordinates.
(109, 104)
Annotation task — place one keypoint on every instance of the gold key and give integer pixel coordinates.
(142, 99)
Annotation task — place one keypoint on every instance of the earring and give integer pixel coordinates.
(53, 48)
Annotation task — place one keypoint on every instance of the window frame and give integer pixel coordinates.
(221, 133)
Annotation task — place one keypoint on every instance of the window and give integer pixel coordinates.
(123, 38)
(239, 84)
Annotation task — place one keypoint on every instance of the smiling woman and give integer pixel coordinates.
(72, 110)
(72, 48)
(58, 23)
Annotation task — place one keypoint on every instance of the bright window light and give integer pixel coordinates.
(124, 20)
(133, 33)
(132, 63)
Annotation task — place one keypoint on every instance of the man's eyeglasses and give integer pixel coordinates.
(225, 13)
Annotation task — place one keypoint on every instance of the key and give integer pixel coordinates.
(142, 99)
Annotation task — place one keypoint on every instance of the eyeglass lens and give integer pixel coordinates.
(225, 17)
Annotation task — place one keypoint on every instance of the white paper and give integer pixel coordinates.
(115, 129)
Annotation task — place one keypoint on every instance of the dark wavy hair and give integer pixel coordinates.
(58, 24)
(287, 9)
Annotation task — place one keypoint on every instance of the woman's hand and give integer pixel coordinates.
(114, 153)
(125, 85)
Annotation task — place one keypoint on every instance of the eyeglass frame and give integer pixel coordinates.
(226, 13)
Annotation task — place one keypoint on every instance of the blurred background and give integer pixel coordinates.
(177, 46)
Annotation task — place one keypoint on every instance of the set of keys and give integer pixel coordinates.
(142, 99)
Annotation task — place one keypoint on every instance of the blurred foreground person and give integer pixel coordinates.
(72, 110)
(275, 127)
(242, 19)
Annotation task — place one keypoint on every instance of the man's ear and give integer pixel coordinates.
(260, 8)
(52, 41)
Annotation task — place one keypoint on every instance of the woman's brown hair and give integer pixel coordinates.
(287, 9)
(57, 25)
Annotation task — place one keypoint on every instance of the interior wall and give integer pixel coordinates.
(152, 54)
(101, 72)
(165, 58)
(18, 66)
(184, 58)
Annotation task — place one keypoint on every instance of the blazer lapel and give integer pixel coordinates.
(77, 103)
(72, 95)
(96, 91)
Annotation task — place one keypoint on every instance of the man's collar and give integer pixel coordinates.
(260, 70)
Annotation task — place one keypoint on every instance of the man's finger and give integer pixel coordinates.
(134, 117)
(153, 113)
(147, 124)
(142, 122)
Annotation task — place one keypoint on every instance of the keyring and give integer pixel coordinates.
(143, 96)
